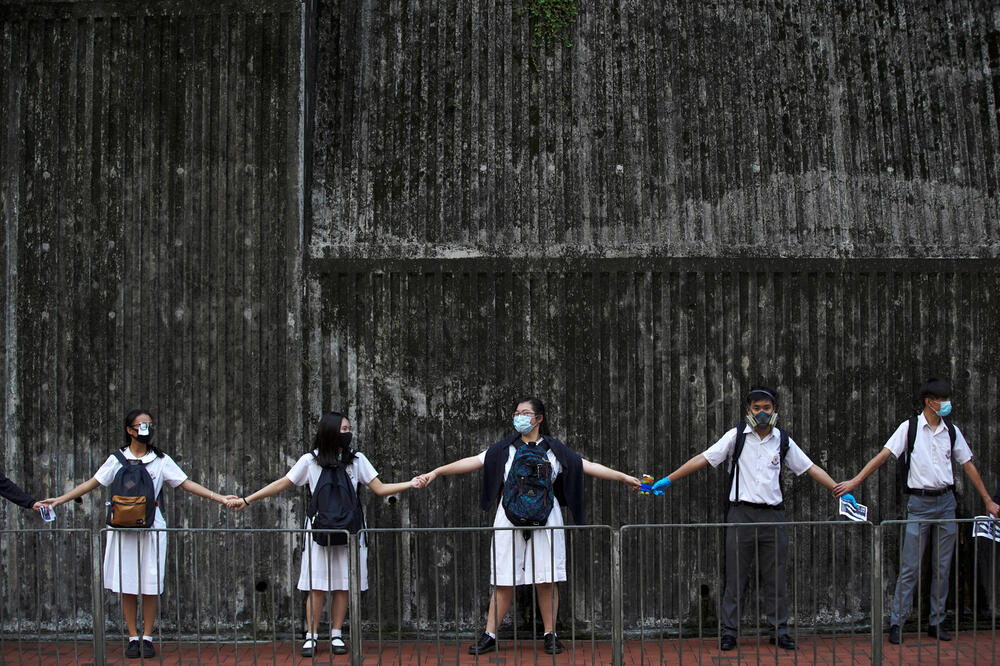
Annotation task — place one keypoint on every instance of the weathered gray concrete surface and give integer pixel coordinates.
(243, 214)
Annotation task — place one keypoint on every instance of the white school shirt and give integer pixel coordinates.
(307, 469)
(160, 469)
(760, 464)
(512, 449)
(930, 467)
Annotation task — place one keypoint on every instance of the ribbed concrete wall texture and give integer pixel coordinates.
(241, 214)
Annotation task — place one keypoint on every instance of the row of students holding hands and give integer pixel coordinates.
(755, 451)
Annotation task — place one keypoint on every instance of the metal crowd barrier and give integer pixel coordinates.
(230, 596)
(974, 591)
(677, 612)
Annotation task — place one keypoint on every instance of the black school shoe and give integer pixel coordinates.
(784, 641)
(552, 643)
(727, 642)
(486, 644)
(894, 635)
(938, 632)
(338, 646)
(148, 651)
(132, 651)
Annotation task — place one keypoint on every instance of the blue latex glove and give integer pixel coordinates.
(850, 498)
(661, 485)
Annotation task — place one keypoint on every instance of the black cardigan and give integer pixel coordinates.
(568, 486)
(13, 492)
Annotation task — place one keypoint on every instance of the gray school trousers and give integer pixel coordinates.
(942, 506)
(767, 547)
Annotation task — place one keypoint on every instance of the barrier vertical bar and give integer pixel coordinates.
(97, 594)
(877, 596)
(617, 630)
(354, 595)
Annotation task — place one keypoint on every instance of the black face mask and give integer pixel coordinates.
(345, 439)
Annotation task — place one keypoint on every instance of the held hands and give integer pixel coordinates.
(993, 508)
(844, 487)
(661, 485)
(424, 480)
(236, 503)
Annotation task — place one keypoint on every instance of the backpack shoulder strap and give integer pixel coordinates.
(911, 438)
(120, 456)
(951, 431)
(734, 474)
(785, 437)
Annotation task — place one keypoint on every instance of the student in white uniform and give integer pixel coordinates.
(755, 497)
(135, 559)
(930, 483)
(530, 557)
(325, 568)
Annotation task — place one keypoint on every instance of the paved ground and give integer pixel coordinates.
(984, 648)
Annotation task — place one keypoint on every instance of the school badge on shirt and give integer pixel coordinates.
(775, 461)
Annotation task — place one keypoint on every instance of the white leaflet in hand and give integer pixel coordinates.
(986, 527)
(48, 513)
(859, 514)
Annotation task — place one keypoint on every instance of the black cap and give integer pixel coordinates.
(934, 387)
(762, 393)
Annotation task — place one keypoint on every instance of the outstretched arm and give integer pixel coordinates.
(383, 489)
(690, 467)
(461, 466)
(819, 475)
(202, 491)
(79, 491)
(602, 472)
(873, 464)
(273, 488)
(970, 471)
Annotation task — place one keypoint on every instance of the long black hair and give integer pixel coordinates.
(129, 418)
(329, 441)
(538, 407)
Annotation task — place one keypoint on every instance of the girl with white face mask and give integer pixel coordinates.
(535, 557)
(135, 559)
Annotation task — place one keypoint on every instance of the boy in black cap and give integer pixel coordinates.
(758, 448)
(926, 444)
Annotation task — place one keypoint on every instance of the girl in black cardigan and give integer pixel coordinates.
(513, 563)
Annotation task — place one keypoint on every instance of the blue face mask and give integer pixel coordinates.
(522, 424)
(945, 409)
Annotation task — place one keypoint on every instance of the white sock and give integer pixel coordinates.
(133, 638)
(311, 637)
(148, 638)
(491, 635)
(335, 633)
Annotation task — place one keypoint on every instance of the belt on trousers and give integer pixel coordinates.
(776, 507)
(920, 492)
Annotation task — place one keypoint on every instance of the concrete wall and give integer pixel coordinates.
(243, 214)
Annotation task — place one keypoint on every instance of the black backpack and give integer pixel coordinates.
(528, 497)
(133, 497)
(334, 505)
(903, 466)
(734, 476)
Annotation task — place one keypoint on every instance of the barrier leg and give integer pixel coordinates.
(877, 596)
(354, 595)
(617, 630)
(97, 595)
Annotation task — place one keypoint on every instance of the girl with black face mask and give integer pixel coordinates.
(135, 559)
(324, 568)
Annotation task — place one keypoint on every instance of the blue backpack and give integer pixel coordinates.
(528, 497)
(334, 505)
(133, 498)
